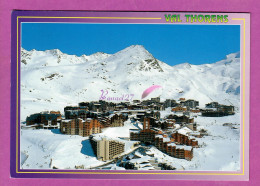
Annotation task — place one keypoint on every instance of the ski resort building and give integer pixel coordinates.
(163, 124)
(83, 114)
(170, 103)
(113, 120)
(182, 139)
(214, 109)
(179, 109)
(170, 147)
(106, 149)
(80, 127)
(147, 135)
(75, 108)
(44, 119)
(190, 103)
(179, 151)
(181, 119)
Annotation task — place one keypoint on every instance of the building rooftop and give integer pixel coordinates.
(184, 130)
(99, 137)
(185, 147)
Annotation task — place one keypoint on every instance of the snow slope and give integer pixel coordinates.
(44, 149)
(220, 150)
(47, 148)
(51, 79)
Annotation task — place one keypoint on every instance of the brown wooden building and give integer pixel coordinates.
(80, 127)
(168, 146)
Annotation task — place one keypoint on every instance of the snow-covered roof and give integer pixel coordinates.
(184, 130)
(98, 137)
(81, 119)
(185, 147)
(134, 130)
(144, 159)
(137, 153)
(145, 165)
(66, 120)
(171, 144)
(159, 136)
(110, 116)
(166, 139)
(149, 153)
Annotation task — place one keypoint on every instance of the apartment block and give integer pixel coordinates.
(106, 149)
(180, 151)
(147, 135)
(113, 120)
(184, 139)
(168, 146)
(46, 119)
(80, 127)
(181, 119)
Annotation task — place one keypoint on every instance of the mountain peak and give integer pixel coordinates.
(183, 65)
(136, 58)
(135, 51)
(233, 55)
(97, 56)
(55, 52)
(136, 48)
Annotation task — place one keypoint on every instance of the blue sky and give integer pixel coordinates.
(170, 43)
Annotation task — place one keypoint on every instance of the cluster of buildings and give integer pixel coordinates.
(89, 118)
(176, 145)
(152, 105)
(102, 110)
(168, 146)
(80, 121)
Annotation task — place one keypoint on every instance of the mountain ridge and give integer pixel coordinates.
(52, 80)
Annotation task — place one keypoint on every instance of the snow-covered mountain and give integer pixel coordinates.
(51, 79)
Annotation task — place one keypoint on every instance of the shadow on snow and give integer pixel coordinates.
(56, 131)
(86, 146)
(87, 149)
